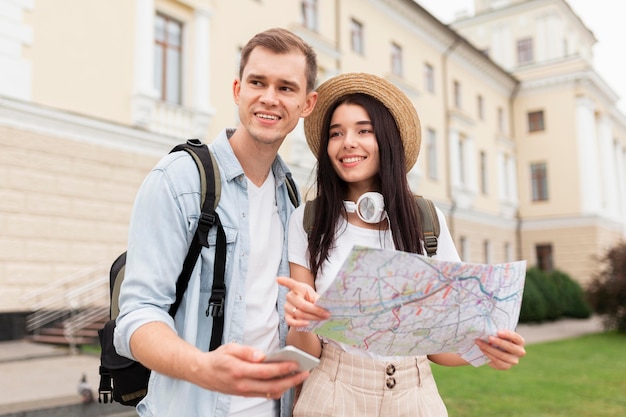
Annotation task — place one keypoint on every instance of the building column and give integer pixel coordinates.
(201, 91)
(619, 152)
(15, 34)
(608, 181)
(144, 92)
(590, 201)
(455, 173)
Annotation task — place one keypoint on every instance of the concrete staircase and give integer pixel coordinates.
(57, 333)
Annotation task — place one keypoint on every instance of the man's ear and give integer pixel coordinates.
(236, 90)
(309, 104)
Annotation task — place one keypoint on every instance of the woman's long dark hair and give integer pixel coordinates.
(392, 177)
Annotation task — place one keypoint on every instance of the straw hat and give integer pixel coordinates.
(391, 96)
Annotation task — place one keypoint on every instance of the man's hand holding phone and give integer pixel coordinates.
(292, 354)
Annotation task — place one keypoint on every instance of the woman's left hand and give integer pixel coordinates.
(503, 350)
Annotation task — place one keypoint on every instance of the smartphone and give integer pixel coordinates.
(292, 354)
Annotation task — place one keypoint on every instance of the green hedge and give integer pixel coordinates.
(550, 296)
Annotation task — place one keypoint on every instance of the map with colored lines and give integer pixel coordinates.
(401, 304)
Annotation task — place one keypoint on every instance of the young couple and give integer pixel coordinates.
(365, 134)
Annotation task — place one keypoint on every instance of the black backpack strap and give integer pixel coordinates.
(430, 224)
(292, 189)
(217, 301)
(210, 194)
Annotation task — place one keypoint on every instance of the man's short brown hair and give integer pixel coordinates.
(282, 41)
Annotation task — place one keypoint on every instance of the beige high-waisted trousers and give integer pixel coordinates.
(346, 385)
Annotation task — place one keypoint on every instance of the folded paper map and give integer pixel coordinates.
(396, 303)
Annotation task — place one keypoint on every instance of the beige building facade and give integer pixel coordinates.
(93, 93)
(571, 143)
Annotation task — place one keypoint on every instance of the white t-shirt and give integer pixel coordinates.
(266, 245)
(347, 236)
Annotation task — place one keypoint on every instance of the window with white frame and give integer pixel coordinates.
(524, 51)
(396, 59)
(543, 252)
(539, 180)
(429, 78)
(484, 186)
(310, 14)
(431, 153)
(536, 121)
(458, 95)
(168, 52)
(356, 36)
(501, 125)
(508, 252)
(462, 160)
(506, 177)
(464, 249)
(487, 251)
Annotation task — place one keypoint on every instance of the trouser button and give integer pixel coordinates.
(391, 369)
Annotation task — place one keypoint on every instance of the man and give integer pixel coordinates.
(274, 89)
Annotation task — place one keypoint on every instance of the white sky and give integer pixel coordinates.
(605, 18)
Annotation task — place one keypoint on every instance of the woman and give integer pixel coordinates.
(365, 134)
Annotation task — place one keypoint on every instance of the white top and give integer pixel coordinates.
(347, 236)
(261, 316)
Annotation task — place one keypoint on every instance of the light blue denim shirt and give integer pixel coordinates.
(163, 221)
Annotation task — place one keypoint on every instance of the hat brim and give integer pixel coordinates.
(398, 104)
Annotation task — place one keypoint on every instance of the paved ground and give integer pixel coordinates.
(35, 376)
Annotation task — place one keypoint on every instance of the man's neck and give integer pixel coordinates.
(255, 158)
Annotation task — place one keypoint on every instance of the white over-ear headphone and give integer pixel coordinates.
(370, 207)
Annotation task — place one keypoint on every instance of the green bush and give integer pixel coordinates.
(549, 290)
(572, 296)
(607, 290)
(534, 306)
(552, 295)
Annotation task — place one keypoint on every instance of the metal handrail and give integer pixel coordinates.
(69, 279)
(68, 296)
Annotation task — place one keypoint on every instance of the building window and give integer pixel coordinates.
(309, 14)
(168, 35)
(501, 120)
(483, 172)
(356, 36)
(506, 177)
(396, 59)
(458, 99)
(544, 257)
(462, 158)
(524, 51)
(535, 121)
(431, 153)
(508, 255)
(480, 104)
(464, 246)
(539, 179)
(487, 251)
(429, 78)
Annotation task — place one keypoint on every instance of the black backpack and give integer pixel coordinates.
(124, 380)
(429, 219)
